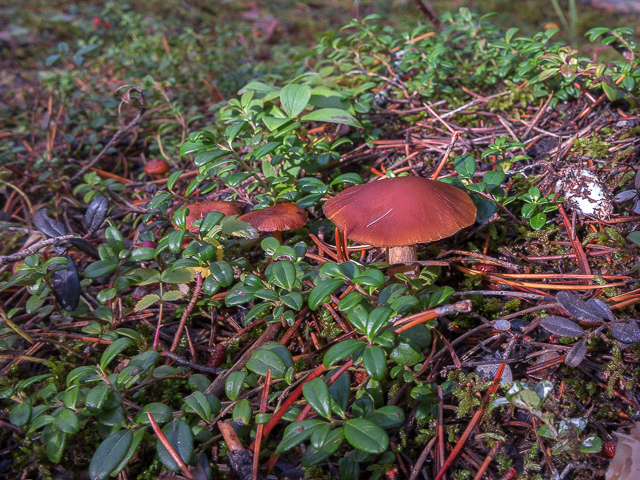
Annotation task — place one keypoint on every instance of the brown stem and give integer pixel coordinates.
(401, 255)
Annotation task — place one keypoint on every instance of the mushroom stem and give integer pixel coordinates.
(401, 255)
(277, 235)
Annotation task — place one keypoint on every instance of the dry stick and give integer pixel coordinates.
(119, 134)
(454, 138)
(260, 428)
(575, 243)
(187, 312)
(165, 443)
(423, 456)
(487, 461)
(32, 249)
(476, 418)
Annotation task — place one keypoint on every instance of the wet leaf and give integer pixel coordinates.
(601, 308)
(85, 247)
(577, 308)
(576, 354)
(66, 286)
(626, 332)
(562, 327)
(48, 226)
(96, 213)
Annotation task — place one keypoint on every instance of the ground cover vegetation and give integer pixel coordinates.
(146, 332)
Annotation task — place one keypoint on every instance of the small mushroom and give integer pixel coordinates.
(200, 210)
(276, 219)
(399, 213)
(156, 167)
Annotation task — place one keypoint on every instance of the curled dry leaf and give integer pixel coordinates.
(85, 246)
(577, 308)
(576, 354)
(48, 226)
(66, 286)
(626, 462)
(96, 213)
(626, 332)
(562, 327)
(601, 309)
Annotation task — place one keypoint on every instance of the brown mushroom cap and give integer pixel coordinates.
(400, 211)
(200, 210)
(156, 166)
(280, 217)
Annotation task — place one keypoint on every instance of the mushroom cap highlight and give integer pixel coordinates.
(400, 211)
(277, 218)
(200, 210)
(156, 166)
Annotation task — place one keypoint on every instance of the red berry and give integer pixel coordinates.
(107, 25)
(608, 449)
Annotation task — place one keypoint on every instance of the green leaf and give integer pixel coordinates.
(178, 275)
(294, 98)
(67, 422)
(175, 241)
(20, 414)
(465, 165)
(113, 350)
(114, 238)
(263, 360)
(160, 412)
(322, 290)
(242, 412)
(342, 350)
(591, 444)
(375, 362)
(296, 433)
(371, 278)
(387, 416)
(366, 436)
(55, 445)
(109, 454)
(233, 384)
(99, 269)
(634, 237)
(172, 295)
(332, 442)
(538, 221)
(316, 393)
(358, 317)
(137, 439)
(222, 272)
(332, 115)
(283, 274)
(198, 402)
(239, 295)
(378, 318)
(352, 178)
(146, 302)
(292, 300)
(180, 437)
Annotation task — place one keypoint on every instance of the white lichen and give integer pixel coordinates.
(584, 193)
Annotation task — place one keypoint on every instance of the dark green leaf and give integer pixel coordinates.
(366, 436)
(375, 362)
(322, 290)
(341, 350)
(332, 115)
(296, 433)
(113, 350)
(317, 394)
(109, 454)
(180, 437)
(263, 360)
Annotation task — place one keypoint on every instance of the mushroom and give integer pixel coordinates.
(400, 212)
(276, 219)
(156, 167)
(200, 210)
(626, 462)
